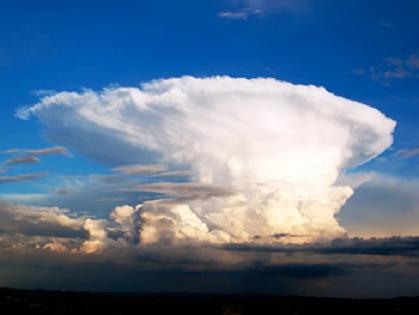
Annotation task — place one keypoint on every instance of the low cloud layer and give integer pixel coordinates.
(79, 252)
(276, 150)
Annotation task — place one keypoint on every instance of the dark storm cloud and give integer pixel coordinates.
(198, 272)
(391, 246)
(305, 270)
(292, 269)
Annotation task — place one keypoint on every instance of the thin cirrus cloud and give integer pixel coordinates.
(37, 152)
(174, 173)
(275, 144)
(408, 153)
(392, 68)
(5, 179)
(244, 9)
(26, 156)
(21, 160)
(185, 190)
(242, 14)
(136, 169)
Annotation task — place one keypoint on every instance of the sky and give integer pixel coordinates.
(223, 144)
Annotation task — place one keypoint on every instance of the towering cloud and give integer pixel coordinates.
(264, 154)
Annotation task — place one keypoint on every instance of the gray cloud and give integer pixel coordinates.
(375, 246)
(388, 246)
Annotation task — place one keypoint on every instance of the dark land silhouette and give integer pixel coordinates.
(65, 302)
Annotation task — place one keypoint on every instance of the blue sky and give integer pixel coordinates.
(71, 45)
(367, 51)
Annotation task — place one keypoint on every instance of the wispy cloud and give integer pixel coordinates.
(174, 173)
(244, 9)
(408, 153)
(392, 68)
(21, 160)
(27, 156)
(242, 14)
(21, 178)
(188, 191)
(37, 152)
(136, 169)
(24, 198)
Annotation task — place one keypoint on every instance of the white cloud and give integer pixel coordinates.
(98, 236)
(174, 222)
(280, 147)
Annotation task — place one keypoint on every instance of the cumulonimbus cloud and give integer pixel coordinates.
(278, 146)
